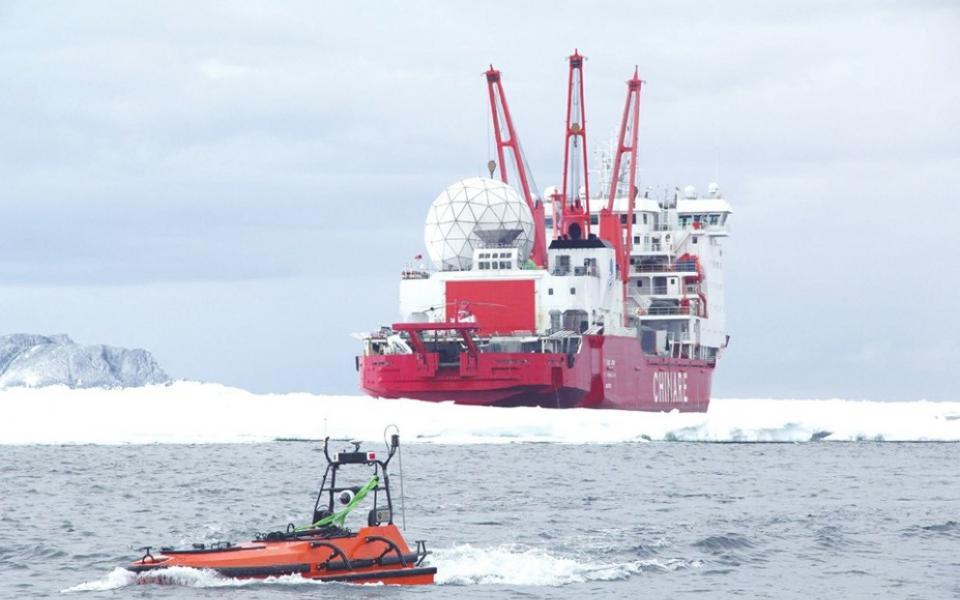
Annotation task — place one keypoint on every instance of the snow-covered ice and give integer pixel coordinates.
(190, 412)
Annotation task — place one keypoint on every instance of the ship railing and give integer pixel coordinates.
(669, 310)
(414, 274)
(651, 247)
(668, 268)
(414, 271)
(655, 228)
(682, 226)
(705, 227)
(656, 290)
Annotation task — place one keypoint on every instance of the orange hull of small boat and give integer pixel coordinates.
(372, 555)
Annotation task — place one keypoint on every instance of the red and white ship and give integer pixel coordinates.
(622, 307)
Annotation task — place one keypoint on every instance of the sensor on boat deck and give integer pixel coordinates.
(352, 458)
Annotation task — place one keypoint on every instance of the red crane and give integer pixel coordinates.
(502, 121)
(573, 215)
(629, 127)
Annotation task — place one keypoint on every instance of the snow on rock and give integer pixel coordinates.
(37, 361)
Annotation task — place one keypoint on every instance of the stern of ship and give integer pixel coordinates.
(449, 366)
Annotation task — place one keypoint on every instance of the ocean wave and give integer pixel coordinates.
(723, 543)
(182, 576)
(950, 529)
(515, 565)
(459, 566)
(189, 412)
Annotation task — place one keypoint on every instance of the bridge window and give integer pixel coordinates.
(555, 322)
(575, 320)
(573, 291)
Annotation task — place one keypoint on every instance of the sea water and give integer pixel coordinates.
(550, 510)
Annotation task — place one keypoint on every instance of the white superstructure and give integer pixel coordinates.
(676, 268)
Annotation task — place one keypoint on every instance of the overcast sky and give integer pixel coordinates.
(235, 186)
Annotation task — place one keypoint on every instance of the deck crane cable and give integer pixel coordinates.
(486, 121)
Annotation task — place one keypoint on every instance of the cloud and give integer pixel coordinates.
(289, 144)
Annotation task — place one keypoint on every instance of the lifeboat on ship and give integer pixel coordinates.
(325, 549)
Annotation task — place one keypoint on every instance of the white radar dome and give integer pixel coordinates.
(476, 213)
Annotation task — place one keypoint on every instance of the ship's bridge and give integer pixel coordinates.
(580, 289)
(708, 215)
(677, 212)
(496, 259)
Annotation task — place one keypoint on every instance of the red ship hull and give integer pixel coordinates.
(609, 372)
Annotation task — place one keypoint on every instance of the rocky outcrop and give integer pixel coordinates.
(36, 360)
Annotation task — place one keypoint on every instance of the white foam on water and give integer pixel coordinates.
(459, 565)
(191, 412)
(515, 565)
(182, 576)
(115, 579)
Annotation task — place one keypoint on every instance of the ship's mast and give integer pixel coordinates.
(573, 214)
(629, 128)
(506, 138)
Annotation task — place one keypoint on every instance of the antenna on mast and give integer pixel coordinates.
(716, 169)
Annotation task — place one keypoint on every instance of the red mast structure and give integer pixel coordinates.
(629, 127)
(500, 113)
(574, 214)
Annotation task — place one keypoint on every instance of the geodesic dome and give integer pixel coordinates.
(476, 213)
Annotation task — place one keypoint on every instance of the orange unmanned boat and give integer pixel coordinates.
(325, 549)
